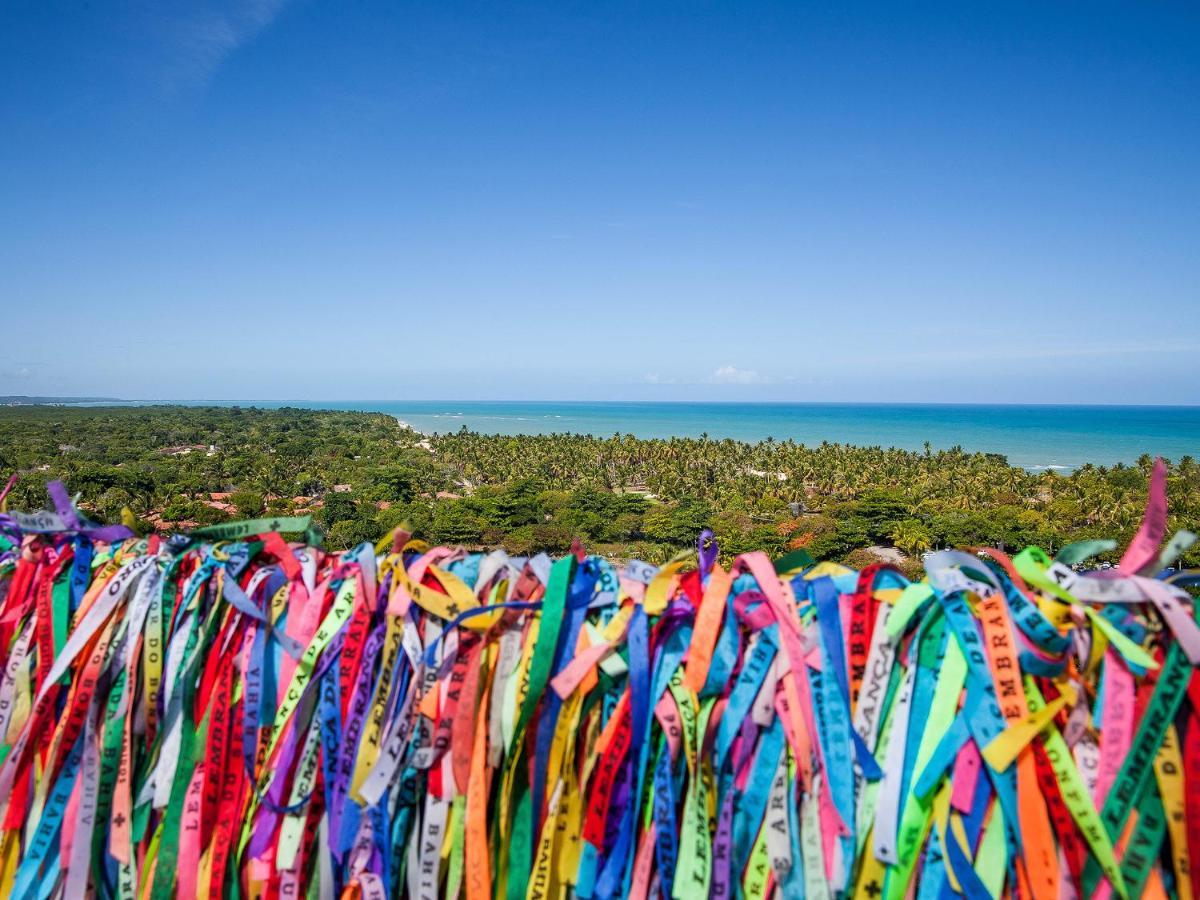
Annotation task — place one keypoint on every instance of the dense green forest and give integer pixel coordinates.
(360, 474)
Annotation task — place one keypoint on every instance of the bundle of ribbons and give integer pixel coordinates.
(226, 713)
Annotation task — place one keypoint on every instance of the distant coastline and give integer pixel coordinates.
(409, 425)
(1042, 437)
(361, 474)
(1036, 437)
(23, 400)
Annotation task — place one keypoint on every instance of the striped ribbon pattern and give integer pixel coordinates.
(229, 714)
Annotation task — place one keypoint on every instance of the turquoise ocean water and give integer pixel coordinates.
(1035, 437)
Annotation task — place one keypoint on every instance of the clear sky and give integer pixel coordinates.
(360, 200)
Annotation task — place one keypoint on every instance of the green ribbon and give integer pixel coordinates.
(1142, 850)
(1074, 791)
(554, 602)
(1138, 768)
(797, 559)
(110, 751)
(952, 675)
(191, 751)
(60, 615)
(229, 531)
(1081, 550)
(693, 871)
(520, 848)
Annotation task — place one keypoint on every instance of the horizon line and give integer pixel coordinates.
(64, 400)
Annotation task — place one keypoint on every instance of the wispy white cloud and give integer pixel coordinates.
(734, 375)
(204, 38)
(721, 375)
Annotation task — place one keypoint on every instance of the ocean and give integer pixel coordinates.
(1034, 437)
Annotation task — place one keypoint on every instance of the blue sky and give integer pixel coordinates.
(313, 200)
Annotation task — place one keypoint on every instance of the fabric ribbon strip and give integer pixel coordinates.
(228, 713)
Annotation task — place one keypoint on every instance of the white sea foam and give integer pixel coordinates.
(411, 427)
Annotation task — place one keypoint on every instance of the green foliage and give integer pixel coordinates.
(881, 510)
(456, 522)
(338, 508)
(538, 538)
(912, 536)
(350, 533)
(621, 495)
(247, 503)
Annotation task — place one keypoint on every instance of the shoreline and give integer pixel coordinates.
(1045, 438)
(1034, 438)
(545, 491)
(411, 427)
(425, 435)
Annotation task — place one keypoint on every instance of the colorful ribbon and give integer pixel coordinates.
(226, 714)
